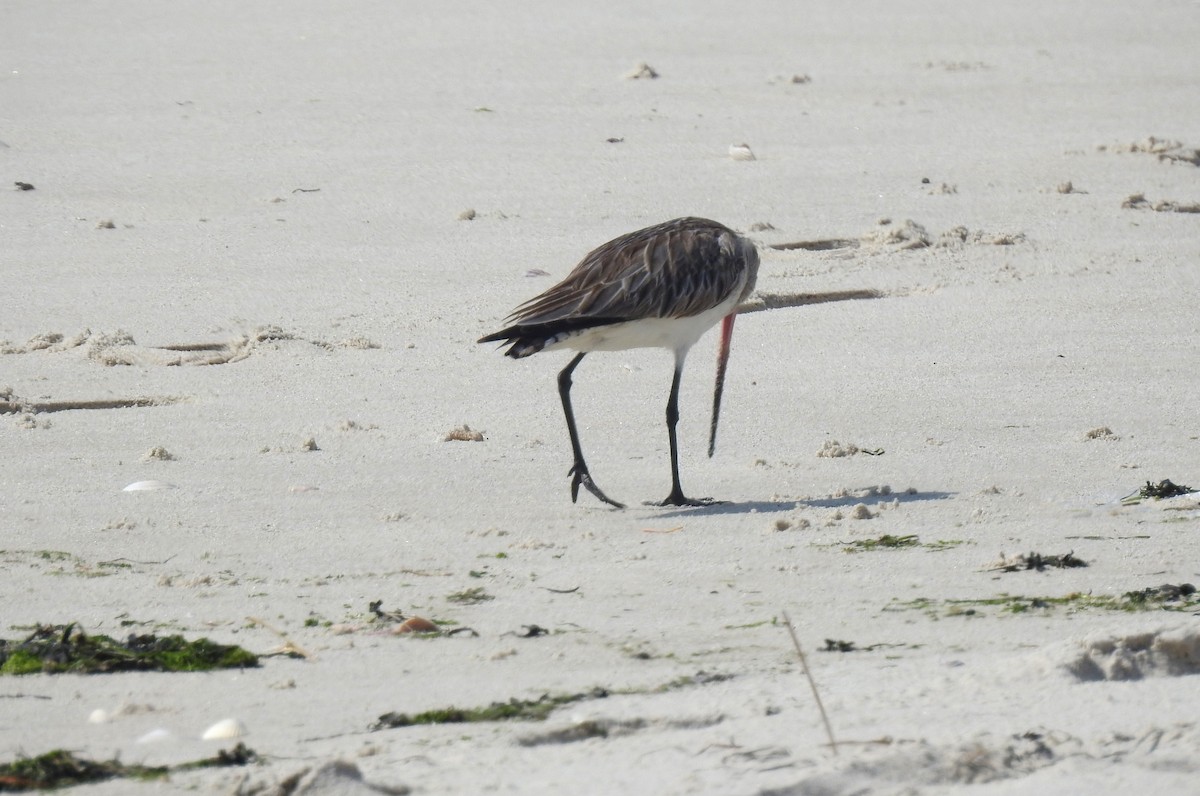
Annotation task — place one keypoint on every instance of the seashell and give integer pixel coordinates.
(416, 624)
(98, 716)
(224, 730)
(157, 735)
(146, 486)
(741, 152)
(642, 71)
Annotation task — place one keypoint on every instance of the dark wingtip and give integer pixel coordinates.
(518, 346)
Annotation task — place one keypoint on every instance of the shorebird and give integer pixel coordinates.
(659, 287)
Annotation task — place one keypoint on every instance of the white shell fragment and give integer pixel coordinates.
(157, 735)
(98, 716)
(145, 486)
(642, 71)
(741, 152)
(224, 730)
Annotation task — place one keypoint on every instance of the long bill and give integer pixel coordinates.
(722, 362)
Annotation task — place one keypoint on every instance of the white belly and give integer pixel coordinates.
(676, 334)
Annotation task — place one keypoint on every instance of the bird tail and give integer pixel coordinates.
(526, 339)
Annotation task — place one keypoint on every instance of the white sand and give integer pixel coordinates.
(192, 127)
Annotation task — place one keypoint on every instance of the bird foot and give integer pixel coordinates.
(580, 476)
(677, 498)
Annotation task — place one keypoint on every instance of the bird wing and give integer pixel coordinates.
(672, 270)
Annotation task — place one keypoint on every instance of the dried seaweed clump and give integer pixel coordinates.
(464, 433)
(1164, 489)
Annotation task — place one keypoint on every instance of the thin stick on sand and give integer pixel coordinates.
(289, 647)
(787, 620)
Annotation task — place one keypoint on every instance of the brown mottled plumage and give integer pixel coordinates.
(663, 286)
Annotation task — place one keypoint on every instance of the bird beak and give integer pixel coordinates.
(722, 361)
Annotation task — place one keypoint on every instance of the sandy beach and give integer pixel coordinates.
(247, 250)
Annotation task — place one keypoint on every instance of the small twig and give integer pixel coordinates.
(676, 529)
(289, 647)
(134, 561)
(424, 573)
(886, 740)
(561, 591)
(186, 347)
(787, 620)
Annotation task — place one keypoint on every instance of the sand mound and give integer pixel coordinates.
(1156, 653)
(1038, 761)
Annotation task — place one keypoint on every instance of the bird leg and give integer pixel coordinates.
(677, 498)
(579, 471)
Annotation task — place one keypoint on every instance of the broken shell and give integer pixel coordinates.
(157, 735)
(642, 71)
(416, 624)
(98, 716)
(144, 486)
(223, 730)
(741, 152)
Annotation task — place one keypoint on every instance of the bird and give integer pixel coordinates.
(659, 287)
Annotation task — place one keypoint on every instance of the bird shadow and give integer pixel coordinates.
(773, 506)
(741, 507)
(854, 500)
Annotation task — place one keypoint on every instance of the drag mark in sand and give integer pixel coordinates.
(902, 236)
(119, 348)
(17, 406)
(1166, 150)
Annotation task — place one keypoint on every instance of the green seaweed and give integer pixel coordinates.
(53, 649)
(1167, 597)
(61, 769)
(529, 709)
(885, 542)
(470, 596)
(892, 542)
(512, 710)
